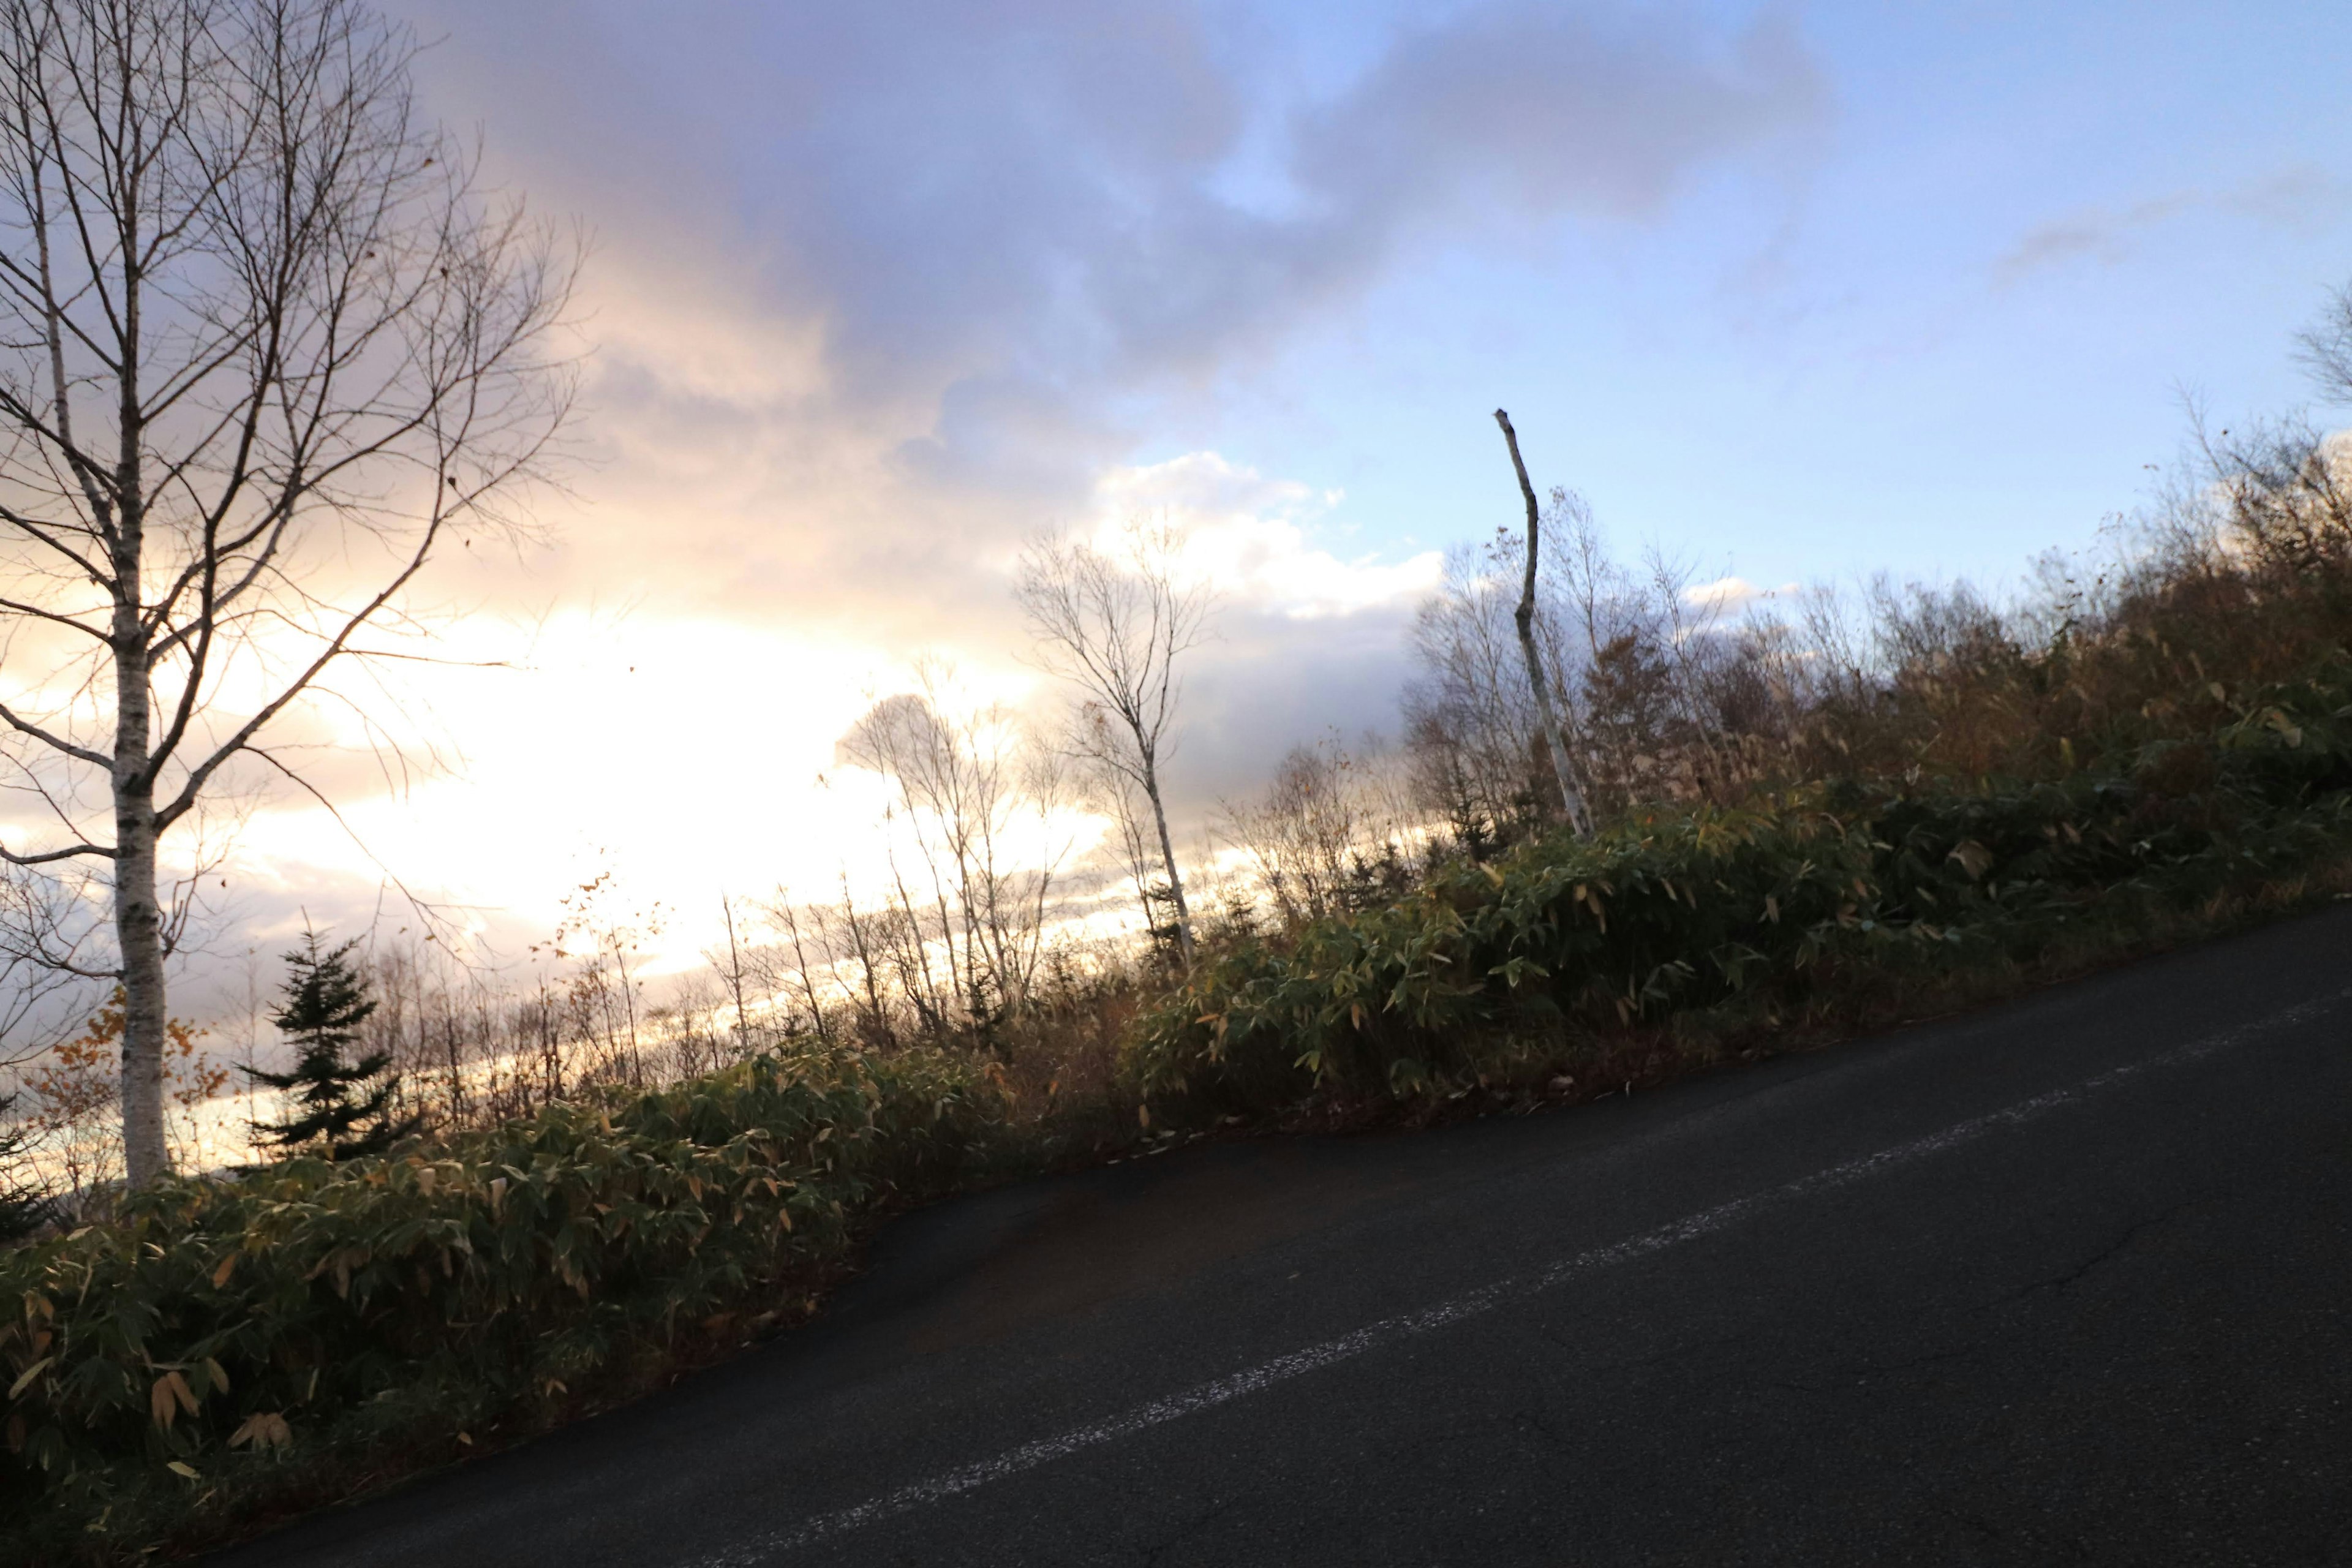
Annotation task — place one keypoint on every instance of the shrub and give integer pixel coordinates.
(203, 1346)
(1687, 910)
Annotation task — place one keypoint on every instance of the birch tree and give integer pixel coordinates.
(1114, 626)
(264, 349)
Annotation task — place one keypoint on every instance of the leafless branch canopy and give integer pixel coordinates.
(1114, 624)
(262, 347)
(2324, 349)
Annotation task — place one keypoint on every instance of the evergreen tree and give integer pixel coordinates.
(22, 1206)
(344, 1104)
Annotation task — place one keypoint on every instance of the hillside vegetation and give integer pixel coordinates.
(1998, 797)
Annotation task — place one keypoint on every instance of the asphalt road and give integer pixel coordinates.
(2067, 1280)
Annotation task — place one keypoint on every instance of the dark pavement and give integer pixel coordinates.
(2067, 1280)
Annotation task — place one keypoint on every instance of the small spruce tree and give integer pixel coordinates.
(342, 1104)
(22, 1206)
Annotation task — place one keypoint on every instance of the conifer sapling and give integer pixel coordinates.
(345, 1105)
(23, 1205)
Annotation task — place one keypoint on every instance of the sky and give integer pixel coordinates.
(874, 293)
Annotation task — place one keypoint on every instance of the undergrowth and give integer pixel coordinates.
(226, 1347)
(1762, 914)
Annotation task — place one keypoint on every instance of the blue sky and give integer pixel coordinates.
(1940, 328)
(1819, 288)
(1799, 292)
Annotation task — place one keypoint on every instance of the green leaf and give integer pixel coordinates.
(24, 1379)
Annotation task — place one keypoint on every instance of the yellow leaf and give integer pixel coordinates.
(498, 1195)
(263, 1429)
(24, 1379)
(220, 1376)
(178, 1468)
(1143, 1116)
(228, 1267)
(1974, 857)
(427, 1178)
(1772, 908)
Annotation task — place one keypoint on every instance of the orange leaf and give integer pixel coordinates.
(165, 1398)
(263, 1429)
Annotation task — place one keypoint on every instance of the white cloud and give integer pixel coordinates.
(1248, 534)
(1731, 596)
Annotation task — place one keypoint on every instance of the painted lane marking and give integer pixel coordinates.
(1252, 1380)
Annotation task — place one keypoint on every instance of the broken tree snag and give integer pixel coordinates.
(1551, 740)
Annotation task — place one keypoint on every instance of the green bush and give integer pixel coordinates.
(1688, 909)
(218, 1334)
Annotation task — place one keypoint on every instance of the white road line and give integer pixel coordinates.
(1409, 1325)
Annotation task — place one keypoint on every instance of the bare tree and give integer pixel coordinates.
(978, 799)
(263, 348)
(734, 974)
(785, 919)
(2324, 348)
(1114, 626)
(1330, 831)
(1551, 740)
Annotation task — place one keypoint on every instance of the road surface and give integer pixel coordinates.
(2070, 1280)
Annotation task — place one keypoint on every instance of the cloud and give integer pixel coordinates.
(1731, 596)
(1247, 536)
(977, 230)
(1724, 596)
(878, 290)
(2295, 199)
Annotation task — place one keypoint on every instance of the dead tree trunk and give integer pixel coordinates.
(1551, 740)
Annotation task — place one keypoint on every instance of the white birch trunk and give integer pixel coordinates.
(1168, 859)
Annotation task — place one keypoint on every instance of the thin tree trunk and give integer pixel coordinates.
(735, 974)
(455, 1054)
(137, 918)
(1551, 740)
(808, 984)
(1168, 859)
(881, 1020)
(139, 930)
